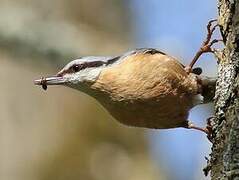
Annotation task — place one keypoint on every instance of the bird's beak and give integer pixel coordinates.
(52, 80)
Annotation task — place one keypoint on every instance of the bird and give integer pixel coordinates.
(144, 87)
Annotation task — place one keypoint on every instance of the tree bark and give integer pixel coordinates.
(224, 161)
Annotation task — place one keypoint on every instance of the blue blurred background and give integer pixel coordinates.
(64, 134)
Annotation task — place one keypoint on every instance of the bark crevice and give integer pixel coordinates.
(224, 161)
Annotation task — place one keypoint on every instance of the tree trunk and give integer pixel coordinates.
(224, 162)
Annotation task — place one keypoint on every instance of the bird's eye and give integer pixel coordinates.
(76, 68)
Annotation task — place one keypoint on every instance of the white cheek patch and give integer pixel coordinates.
(93, 73)
(86, 75)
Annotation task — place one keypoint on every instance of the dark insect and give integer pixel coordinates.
(43, 83)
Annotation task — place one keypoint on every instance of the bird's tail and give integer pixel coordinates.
(208, 88)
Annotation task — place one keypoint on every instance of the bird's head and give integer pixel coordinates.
(78, 74)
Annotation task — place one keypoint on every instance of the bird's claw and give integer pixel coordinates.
(208, 129)
(210, 135)
(206, 45)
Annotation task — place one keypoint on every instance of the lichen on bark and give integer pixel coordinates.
(224, 161)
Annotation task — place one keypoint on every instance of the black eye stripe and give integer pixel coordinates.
(78, 67)
(94, 64)
(87, 64)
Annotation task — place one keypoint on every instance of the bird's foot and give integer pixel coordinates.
(192, 126)
(206, 45)
(207, 129)
(210, 134)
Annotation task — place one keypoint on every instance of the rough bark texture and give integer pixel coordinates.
(224, 162)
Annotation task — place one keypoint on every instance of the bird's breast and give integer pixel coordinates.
(161, 114)
(148, 91)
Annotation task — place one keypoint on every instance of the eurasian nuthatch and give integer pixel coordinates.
(143, 88)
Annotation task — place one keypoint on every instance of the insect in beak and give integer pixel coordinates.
(52, 80)
(43, 82)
